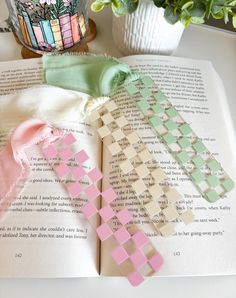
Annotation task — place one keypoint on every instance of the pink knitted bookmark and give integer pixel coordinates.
(132, 251)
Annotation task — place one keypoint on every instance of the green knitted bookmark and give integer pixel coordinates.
(199, 164)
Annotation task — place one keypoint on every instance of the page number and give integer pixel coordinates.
(18, 255)
(176, 253)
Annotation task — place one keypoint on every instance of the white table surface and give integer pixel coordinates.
(197, 42)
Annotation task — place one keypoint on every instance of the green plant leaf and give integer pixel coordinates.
(116, 3)
(226, 15)
(198, 10)
(196, 20)
(187, 5)
(132, 5)
(159, 3)
(119, 8)
(220, 2)
(97, 6)
(232, 3)
(219, 15)
(186, 21)
(234, 21)
(216, 9)
(208, 8)
(170, 16)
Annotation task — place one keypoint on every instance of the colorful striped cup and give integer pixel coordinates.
(47, 25)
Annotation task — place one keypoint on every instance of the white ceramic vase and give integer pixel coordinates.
(146, 31)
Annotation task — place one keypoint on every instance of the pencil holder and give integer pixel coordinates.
(48, 25)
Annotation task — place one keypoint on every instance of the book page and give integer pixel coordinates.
(43, 233)
(207, 246)
(20, 74)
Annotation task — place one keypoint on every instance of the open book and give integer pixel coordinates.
(43, 236)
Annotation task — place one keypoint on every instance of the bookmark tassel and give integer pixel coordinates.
(14, 164)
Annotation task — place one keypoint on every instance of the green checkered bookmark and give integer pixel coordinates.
(202, 168)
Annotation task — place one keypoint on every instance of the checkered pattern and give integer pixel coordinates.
(138, 163)
(205, 172)
(71, 168)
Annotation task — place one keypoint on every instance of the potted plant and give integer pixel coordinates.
(156, 26)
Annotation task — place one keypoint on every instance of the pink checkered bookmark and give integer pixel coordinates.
(132, 251)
